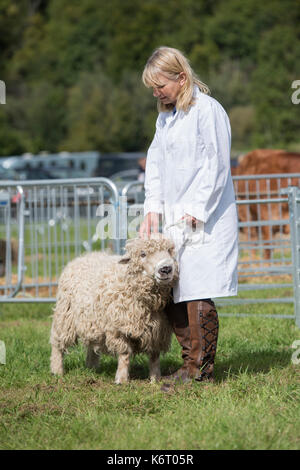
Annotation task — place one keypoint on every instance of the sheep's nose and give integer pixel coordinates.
(165, 270)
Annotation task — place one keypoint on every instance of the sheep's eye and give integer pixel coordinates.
(143, 254)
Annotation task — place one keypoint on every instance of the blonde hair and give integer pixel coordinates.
(171, 62)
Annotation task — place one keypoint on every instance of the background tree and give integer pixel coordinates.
(73, 69)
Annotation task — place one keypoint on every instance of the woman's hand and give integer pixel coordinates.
(149, 225)
(191, 221)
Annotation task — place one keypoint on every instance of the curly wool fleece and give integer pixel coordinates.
(113, 306)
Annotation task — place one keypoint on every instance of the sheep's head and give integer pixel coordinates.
(154, 258)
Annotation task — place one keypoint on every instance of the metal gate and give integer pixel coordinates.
(294, 208)
(45, 224)
(265, 241)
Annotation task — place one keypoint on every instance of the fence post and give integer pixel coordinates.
(21, 224)
(294, 206)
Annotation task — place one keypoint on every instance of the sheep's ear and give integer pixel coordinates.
(133, 242)
(124, 260)
(171, 248)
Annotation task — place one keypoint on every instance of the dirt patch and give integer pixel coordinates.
(34, 409)
(39, 291)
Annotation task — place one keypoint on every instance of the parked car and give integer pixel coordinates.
(64, 164)
(121, 178)
(111, 163)
(35, 174)
(8, 174)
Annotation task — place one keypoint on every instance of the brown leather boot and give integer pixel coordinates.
(177, 315)
(204, 328)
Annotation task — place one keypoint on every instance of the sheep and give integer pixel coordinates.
(115, 305)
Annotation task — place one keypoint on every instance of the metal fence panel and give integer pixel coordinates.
(265, 260)
(264, 216)
(45, 224)
(49, 223)
(294, 206)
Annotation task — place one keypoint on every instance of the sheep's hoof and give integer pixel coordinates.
(121, 380)
(57, 370)
(155, 379)
(59, 373)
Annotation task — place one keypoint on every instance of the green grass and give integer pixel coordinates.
(254, 403)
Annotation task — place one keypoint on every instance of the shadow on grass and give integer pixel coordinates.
(139, 365)
(251, 363)
(235, 364)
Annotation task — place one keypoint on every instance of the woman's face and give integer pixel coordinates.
(169, 89)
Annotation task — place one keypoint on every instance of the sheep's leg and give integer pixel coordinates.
(56, 360)
(122, 374)
(154, 367)
(92, 359)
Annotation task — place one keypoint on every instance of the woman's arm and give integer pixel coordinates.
(153, 205)
(153, 192)
(209, 181)
(149, 225)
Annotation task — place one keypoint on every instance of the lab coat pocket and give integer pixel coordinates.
(196, 238)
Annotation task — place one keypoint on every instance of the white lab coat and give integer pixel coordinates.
(188, 172)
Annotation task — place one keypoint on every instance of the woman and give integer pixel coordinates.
(188, 183)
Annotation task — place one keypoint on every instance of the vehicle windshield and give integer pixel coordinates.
(109, 166)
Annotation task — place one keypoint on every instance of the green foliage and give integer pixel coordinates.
(73, 69)
(278, 66)
(106, 117)
(242, 123)
(10, 138)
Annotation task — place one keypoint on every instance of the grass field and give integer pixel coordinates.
(254, 403)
